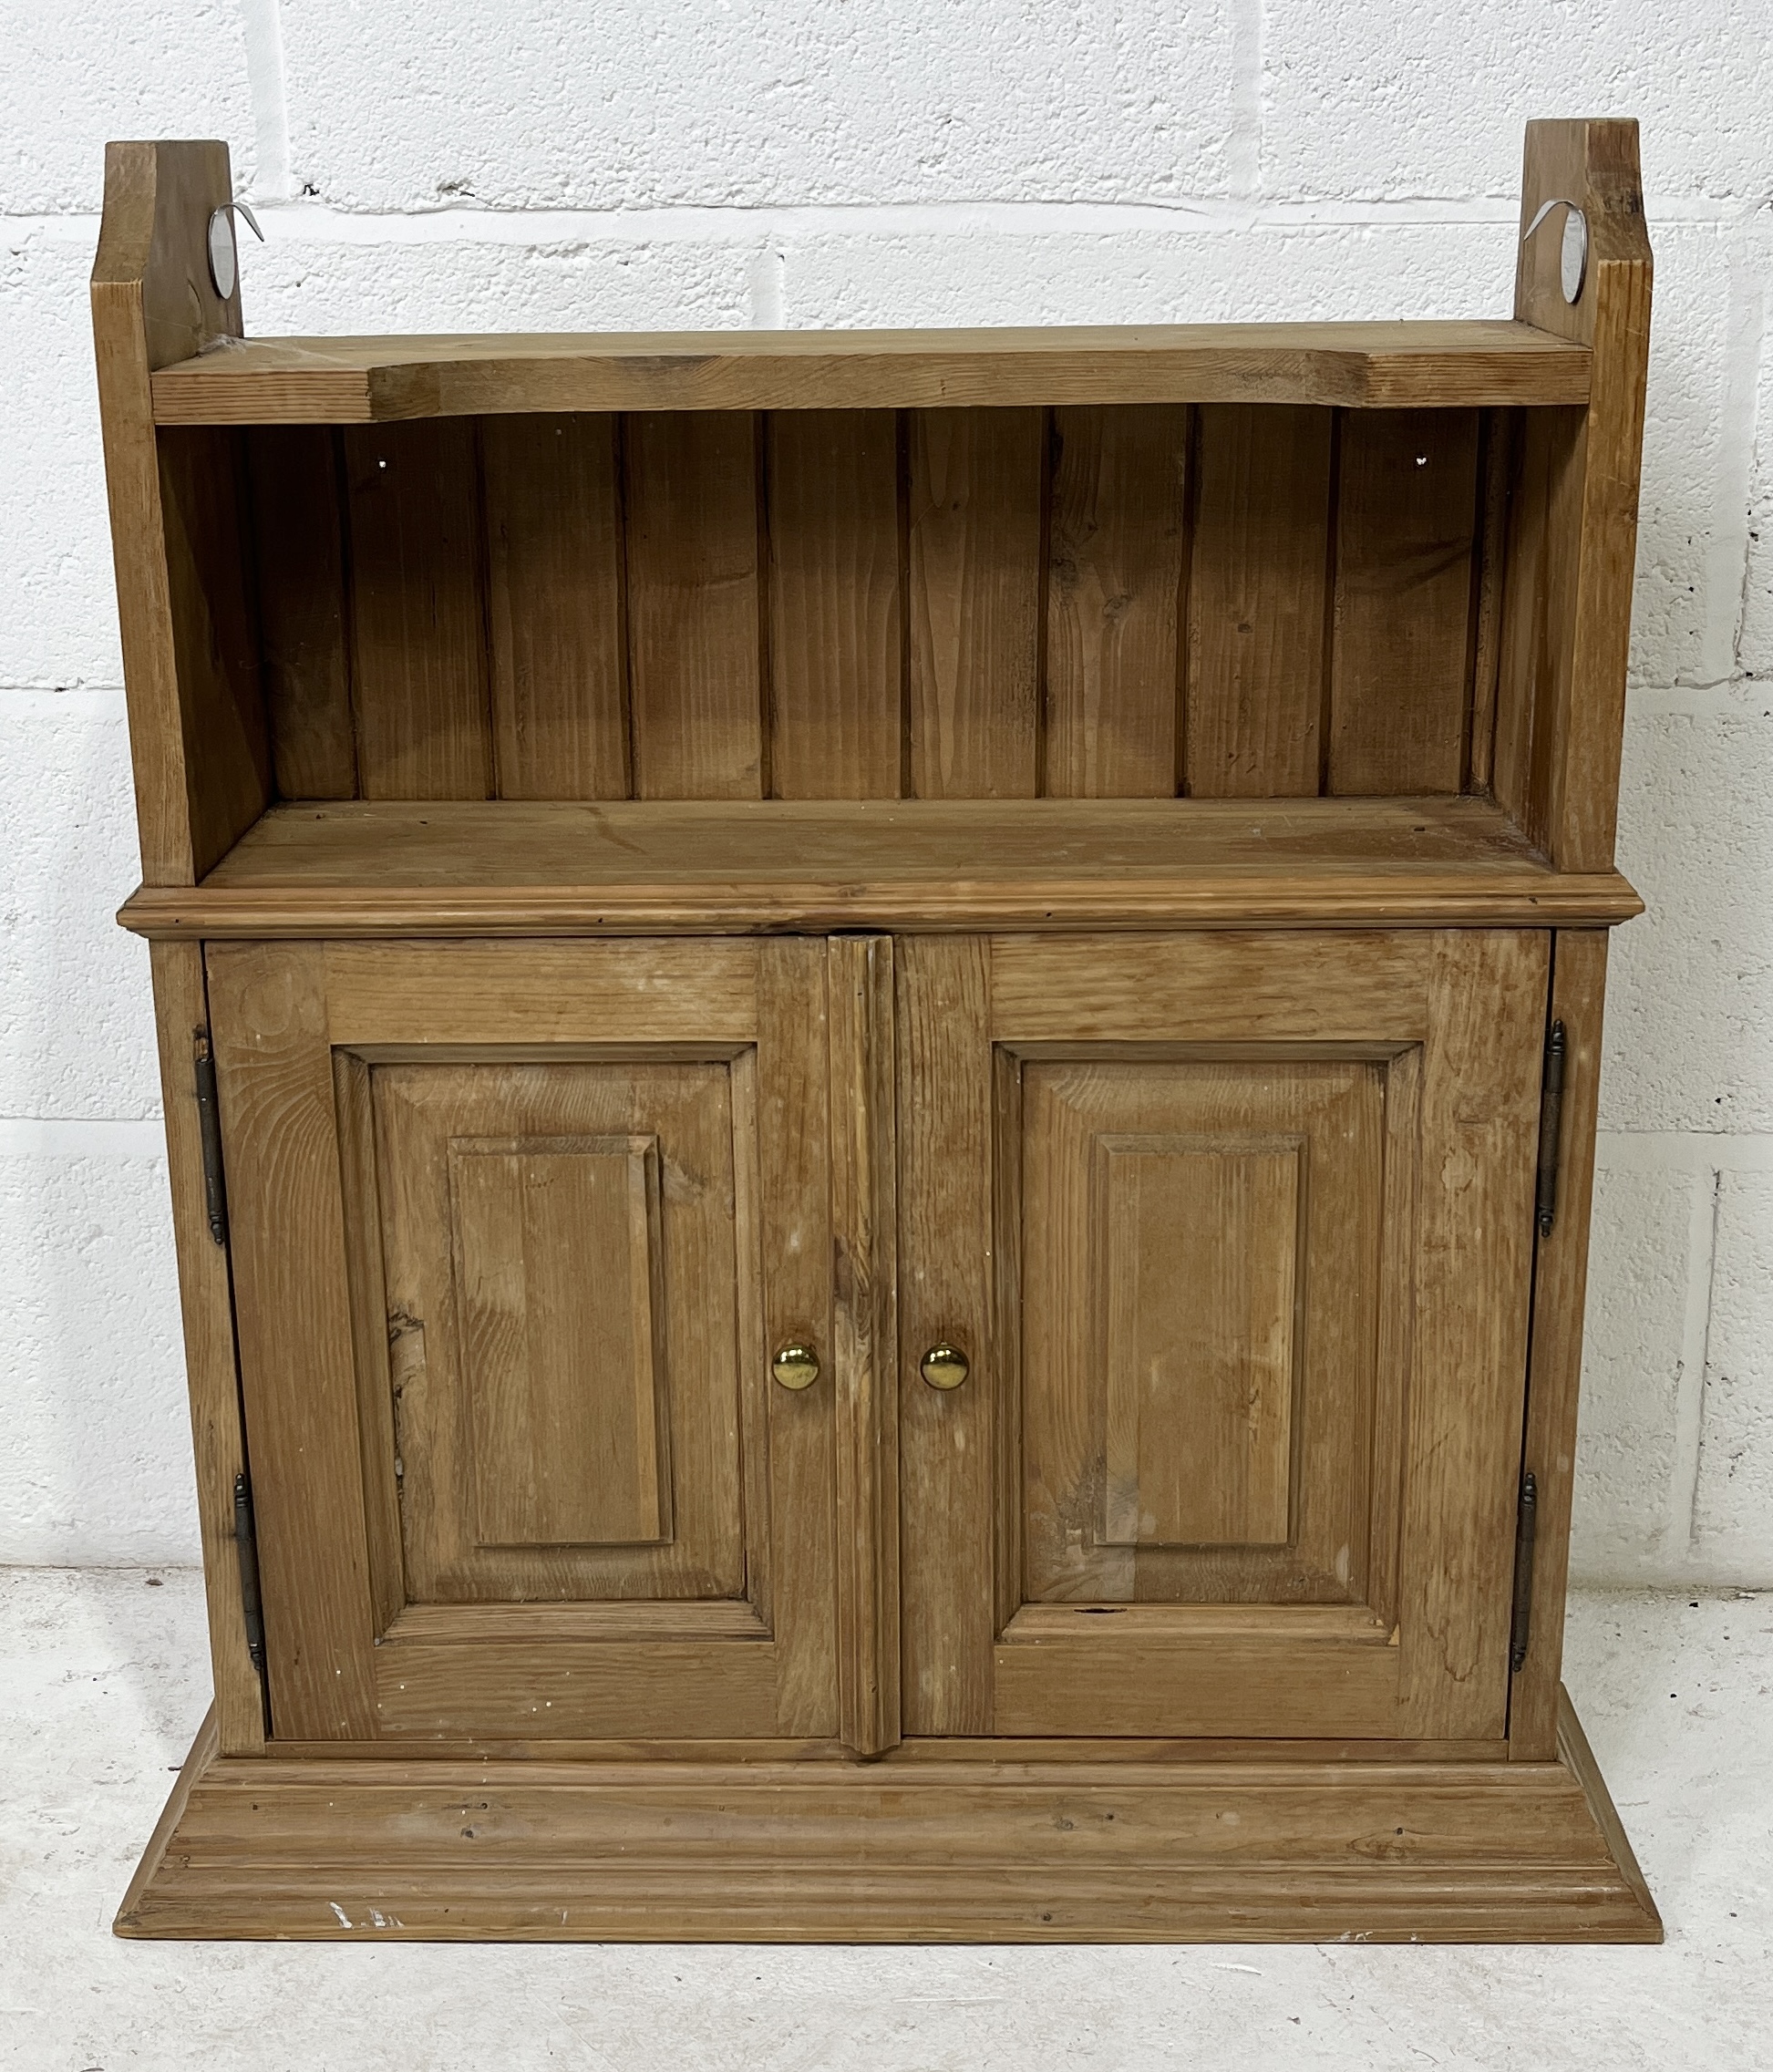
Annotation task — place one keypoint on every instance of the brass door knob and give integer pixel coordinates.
(796, 1366)
(944, 1366)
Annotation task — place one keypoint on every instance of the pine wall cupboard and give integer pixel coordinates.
(881, 1055)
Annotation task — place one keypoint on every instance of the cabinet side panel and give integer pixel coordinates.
(1499, 442)
(418, 610)
(206, 1302)
(836, 649)
(1554, 1375)
(1253, 701)
(154, 302)
(1400, 670)
(1580, 784)
(299, 550)
(1113, 585)
(694, 630)
(1591, 549)
(1544, 504)
(975, 575)
(948, 1483)
(555, 607)
(203, 508)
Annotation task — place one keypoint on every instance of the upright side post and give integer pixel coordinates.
(190, 665)
(154, 303)
(1573, 524)
(211, 1374)
(1554, 1370)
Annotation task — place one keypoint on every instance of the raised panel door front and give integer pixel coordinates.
(561, 1246)
(514, 1228)
(1234, 1231)
(1200, 1254)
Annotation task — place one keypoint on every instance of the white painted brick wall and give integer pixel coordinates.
(1733, 1498)
(730, 162)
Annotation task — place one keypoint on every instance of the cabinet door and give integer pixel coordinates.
(513, 1229)
(1235, 1233)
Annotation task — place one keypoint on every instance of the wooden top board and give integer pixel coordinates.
(1357, 365)
(407, 867)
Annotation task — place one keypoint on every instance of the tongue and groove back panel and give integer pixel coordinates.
(1135, 600)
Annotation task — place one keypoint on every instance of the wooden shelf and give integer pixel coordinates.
(355, 867)
(1358, 366)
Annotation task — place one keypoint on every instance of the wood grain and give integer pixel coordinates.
(1112, 595)
(452, 870)
(692, 1618)
(556, 607)
(274, 1066)
(1546, 472)
(564, 1437)
(381, 1350)
(694, 628)
(1259, 565)
(864, 1329)
(1255, 987)
(1497, 465)
(974, 572)
(905, 1850)
(948, 1493)
(497, 1685)
(417, 613)
(1575, 1756)
(154, 302)
(1200, 1243)
(1361, 365)
(535, 995)
(1200, 1361)
(581, 1468)
(1216, 1685)
(1480, 1083)
(794, 1133)
(565, 1370)
(836, 603)
(1591, 537)
(1431, 1188)
(212, 1374)
(227, 752)
(299, 564)
(1129, 1752)
(1579, 974)
(1400, 660)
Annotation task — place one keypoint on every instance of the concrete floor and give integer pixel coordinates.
(102, 1683)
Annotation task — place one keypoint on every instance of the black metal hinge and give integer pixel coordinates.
(1551, 1122)
(1521, 1627)
(246, 1546)
(209, 1124)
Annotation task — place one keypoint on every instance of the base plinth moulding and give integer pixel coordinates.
(909, 1849)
